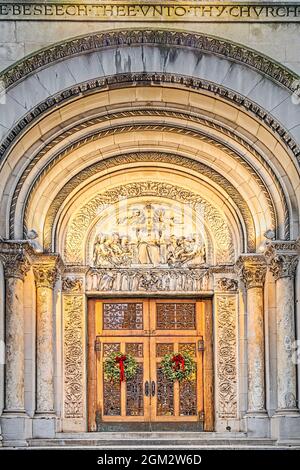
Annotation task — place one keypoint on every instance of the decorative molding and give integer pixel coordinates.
(148, 280)
(226, 284)
(83, 219)
(133, 37)
(74, 385)
(227, 401)
(72, 285)
(252, 270)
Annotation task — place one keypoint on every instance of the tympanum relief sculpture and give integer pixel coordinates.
(149, 247)
(149, 235)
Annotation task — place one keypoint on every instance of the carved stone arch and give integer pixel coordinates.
(81, 221)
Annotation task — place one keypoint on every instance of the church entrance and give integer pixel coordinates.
(148, 330)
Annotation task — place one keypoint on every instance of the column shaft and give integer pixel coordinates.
(45, 275)
(14, 370)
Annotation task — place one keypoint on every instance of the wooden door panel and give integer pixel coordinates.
(147, 329)
(131, 317)
(176, 317)
(174, 401)
(123, 401)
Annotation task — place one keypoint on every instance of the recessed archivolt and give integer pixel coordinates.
(84, 218)
(161, 157)
(223, 145)
(155, 112)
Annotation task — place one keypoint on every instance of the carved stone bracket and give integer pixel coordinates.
(72, 285)
(226, 284)
(252, 270)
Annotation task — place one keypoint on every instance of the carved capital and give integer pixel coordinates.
(72, 285)
(226, 284)
(15, 266)
(283, 257)
(46, 270)
(284, 265)
(252, 270)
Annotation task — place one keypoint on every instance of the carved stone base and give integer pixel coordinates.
(285, 425)
(257, 424)
(44, 426)
(16, 429)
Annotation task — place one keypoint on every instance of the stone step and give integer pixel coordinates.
(152, 441)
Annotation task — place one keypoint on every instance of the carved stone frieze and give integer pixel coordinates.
(252, 270)
(83, 219)
(73, 356)
(226, 356)
(148, 280)
(72, 285)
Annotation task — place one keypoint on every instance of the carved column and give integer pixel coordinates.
(15, 268)
(252, 269)
(45, 273)
(283, 267)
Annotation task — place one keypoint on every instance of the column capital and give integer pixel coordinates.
(16, 258)
(283, 257)
(252, 270)
(46, 269)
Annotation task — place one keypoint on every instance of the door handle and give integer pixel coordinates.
(147, 388)
(153, 388)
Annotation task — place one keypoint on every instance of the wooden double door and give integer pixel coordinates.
(149, 329)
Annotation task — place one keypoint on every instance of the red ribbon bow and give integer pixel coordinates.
(120, 360)
(178, 362)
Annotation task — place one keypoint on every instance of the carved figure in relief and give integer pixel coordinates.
(148, 236)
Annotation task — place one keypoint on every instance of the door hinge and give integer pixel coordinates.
(201, 344)
(97, 345)
(201, 416)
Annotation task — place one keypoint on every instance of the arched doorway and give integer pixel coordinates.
(145, 168)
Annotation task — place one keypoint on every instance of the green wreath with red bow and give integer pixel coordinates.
(120, 367)
(180, 366)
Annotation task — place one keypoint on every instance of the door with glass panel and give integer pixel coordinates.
(147, 329)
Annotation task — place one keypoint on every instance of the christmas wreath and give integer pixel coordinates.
(119, 367)
(179, 367)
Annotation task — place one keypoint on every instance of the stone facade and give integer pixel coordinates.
(138, 160)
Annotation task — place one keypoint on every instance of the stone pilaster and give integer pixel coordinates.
(252, 270)
(74, 346)
(225, 327)
(45, 272)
